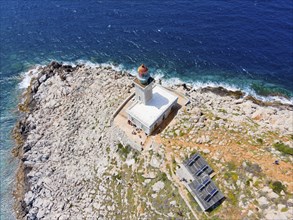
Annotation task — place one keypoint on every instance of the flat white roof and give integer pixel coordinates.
(148, 114)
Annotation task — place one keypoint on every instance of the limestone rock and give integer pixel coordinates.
(273, 195)
(155, 162)
(275, 215)
(262, 201)
(206, 151)
(158, 186)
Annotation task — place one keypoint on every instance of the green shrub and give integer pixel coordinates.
(232, 198)
(231, 175)
(124, 151)
(247, 183)
(174, 161)
(136, 156)
(259, 141)
(280, 146)
(285, 209)
(163, 177)
(277, 187)
(234, 176)
(217, 118)
(257, 183)
(231, 166)
(117, 177)
(223, 111)
(120, 145)
(169, 169)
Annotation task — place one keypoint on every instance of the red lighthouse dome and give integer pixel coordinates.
(142, 70)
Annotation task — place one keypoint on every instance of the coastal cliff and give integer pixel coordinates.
(74, 163)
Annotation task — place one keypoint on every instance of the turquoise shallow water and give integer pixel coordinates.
(243, 45)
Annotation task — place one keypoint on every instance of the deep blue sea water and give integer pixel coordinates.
(245, 45)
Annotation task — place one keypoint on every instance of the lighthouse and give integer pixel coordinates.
(143, 85)
(153, 103)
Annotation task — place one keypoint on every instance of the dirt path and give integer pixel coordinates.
(181, 188)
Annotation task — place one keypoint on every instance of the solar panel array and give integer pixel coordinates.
(203, 188)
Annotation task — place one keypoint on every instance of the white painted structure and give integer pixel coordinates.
(143, 93)
(152, 105)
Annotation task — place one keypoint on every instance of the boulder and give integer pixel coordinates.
(40, 214)
(158, 186)
(250, 213)
(266, 189)
(273, 195)
(35, 85)
(43, 78)
(29, 198)
(173, 203)
(206, 151)
(55, 64)
(281, 206)
(154, 195)
(177, 132)
(262, 201)
(275, 215)
(155, 162)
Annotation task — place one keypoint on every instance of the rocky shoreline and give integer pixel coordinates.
(29, 132)
(70, 153)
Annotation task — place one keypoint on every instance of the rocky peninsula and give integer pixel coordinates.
(75, 163)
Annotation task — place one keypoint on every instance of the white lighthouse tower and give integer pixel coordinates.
(143, 85)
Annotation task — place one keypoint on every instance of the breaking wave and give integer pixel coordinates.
(28, 75)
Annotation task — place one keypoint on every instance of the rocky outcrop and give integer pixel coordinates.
(70, 166)
(63, 136)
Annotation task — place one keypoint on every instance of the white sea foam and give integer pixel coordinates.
(198, 85)
(132, 72)
(158, 75)
(280, 99)
(73, 64)
(28, 75)
(172, 81)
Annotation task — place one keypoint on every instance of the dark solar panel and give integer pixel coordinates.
(193, 159)
(211, 195)
(215, 191)
(203, 168)
(207, 197)
(195, 163)
(203, 185)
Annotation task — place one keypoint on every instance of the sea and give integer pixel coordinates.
(240, 45)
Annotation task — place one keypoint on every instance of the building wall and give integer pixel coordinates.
(148, 92)
(162, 118)
(149, 130)
(143, 94)
(139, 124)
(139, 96)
